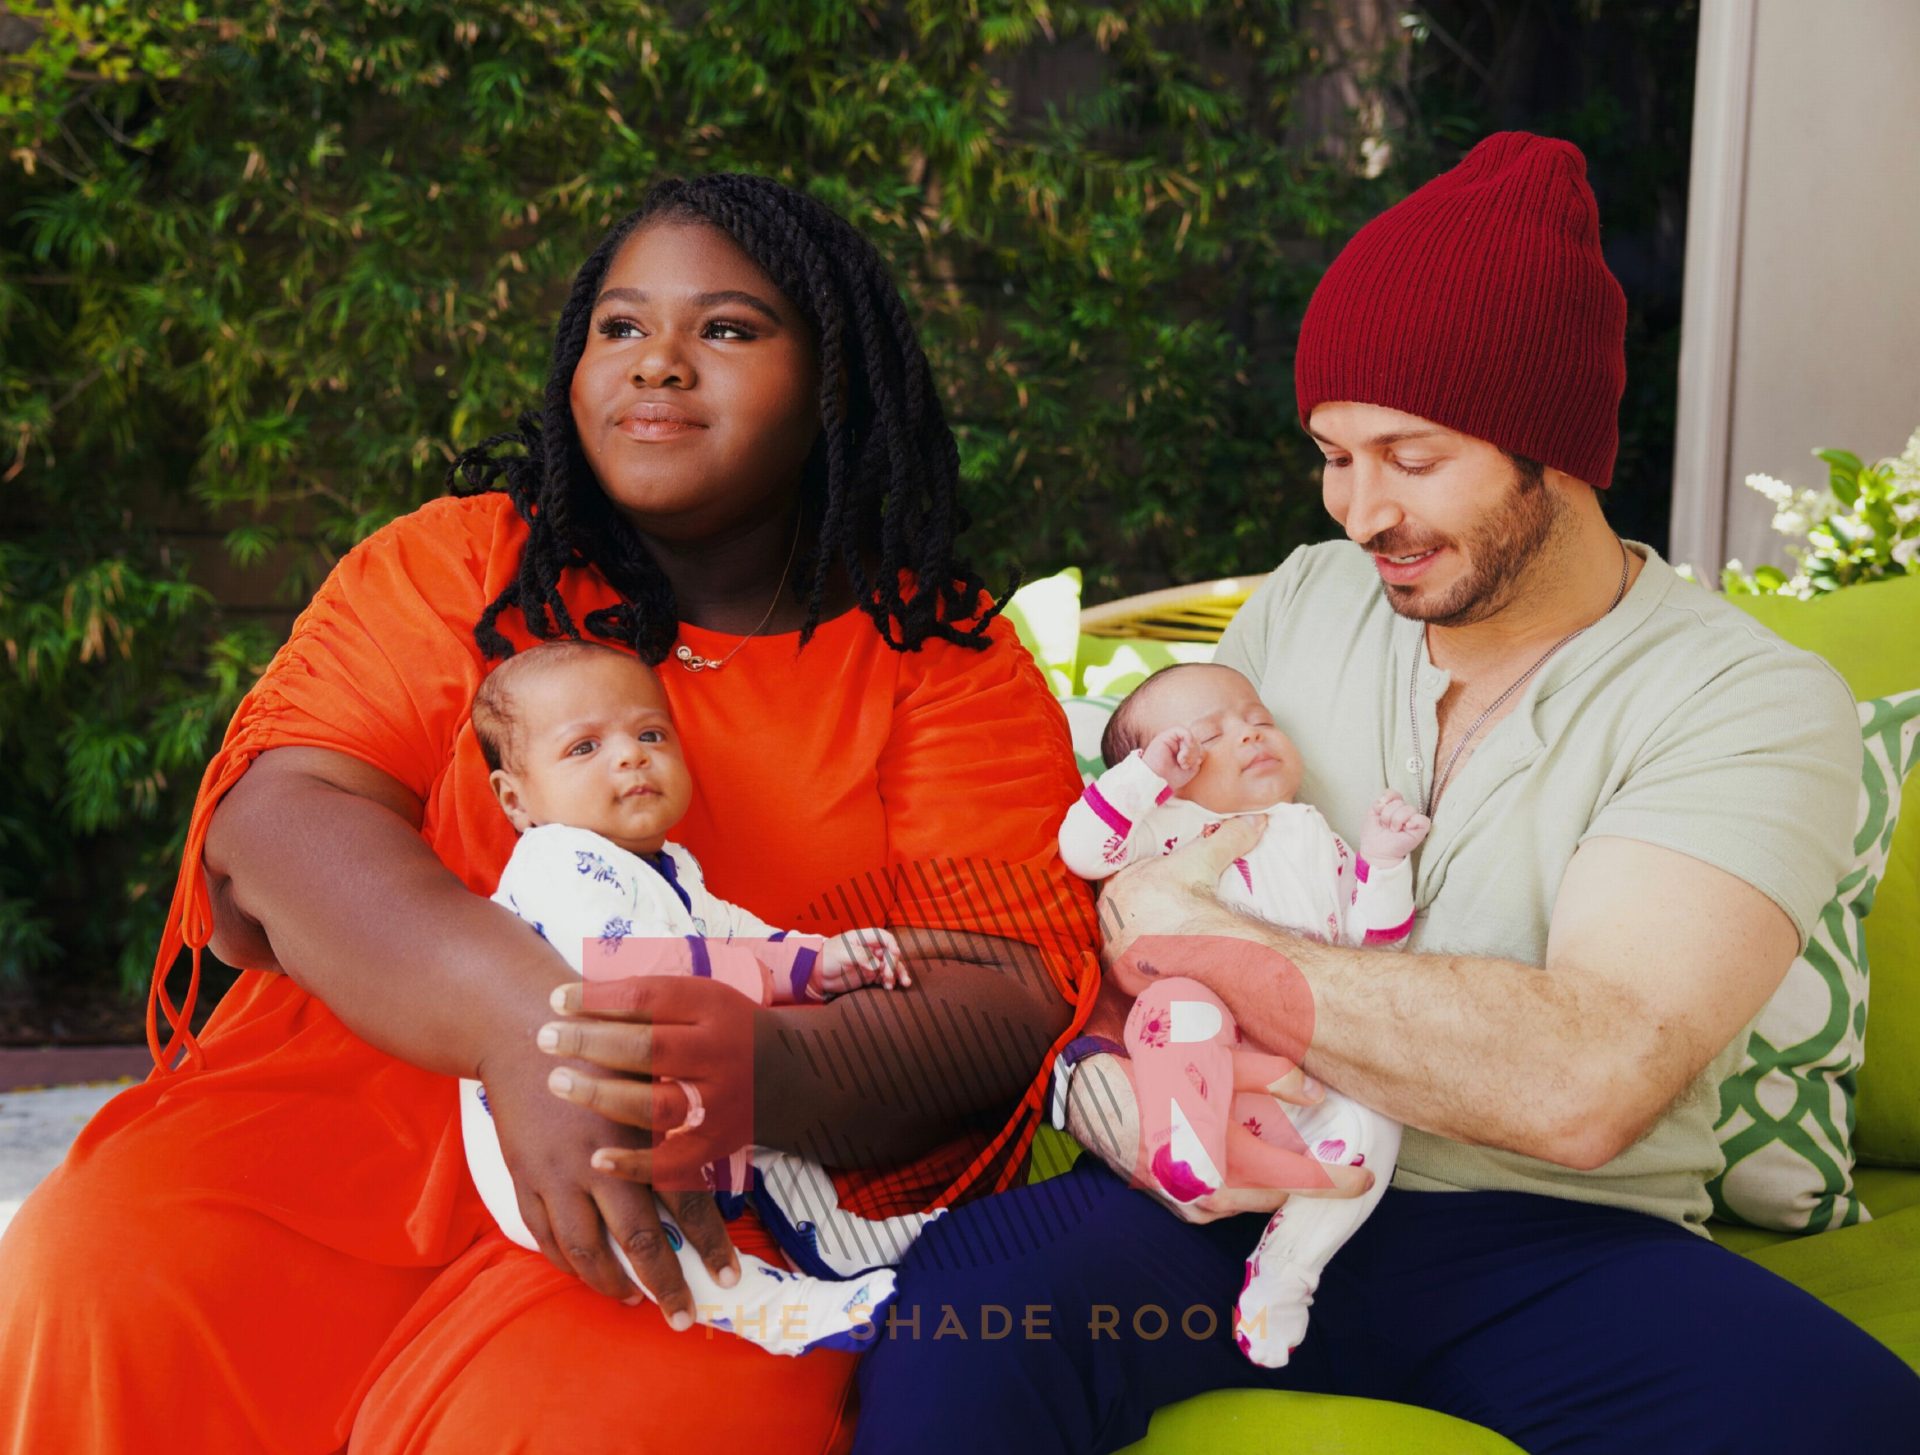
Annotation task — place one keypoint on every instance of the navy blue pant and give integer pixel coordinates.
(1563, 1327)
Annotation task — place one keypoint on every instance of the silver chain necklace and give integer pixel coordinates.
(1416, 764)
(694, 662)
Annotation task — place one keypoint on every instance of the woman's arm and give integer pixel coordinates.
(317, 869)
(868, 1079)
(875, 1077)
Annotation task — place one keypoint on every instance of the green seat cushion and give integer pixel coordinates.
(1884, 1190)
(1266, 1422)
(1870, 1272)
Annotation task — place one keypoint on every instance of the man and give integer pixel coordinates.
(1640, 801)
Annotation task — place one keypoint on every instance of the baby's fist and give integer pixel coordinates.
(1393, 830)
(859, 958)
(1174, 757)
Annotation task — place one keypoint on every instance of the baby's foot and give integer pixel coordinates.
(1271, 1318)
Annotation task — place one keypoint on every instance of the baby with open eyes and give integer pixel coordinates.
(1193, 746)
(586, 763)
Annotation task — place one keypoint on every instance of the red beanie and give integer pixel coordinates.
(1481, 303)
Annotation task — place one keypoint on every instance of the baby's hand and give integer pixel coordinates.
(1174, 757)
(1393, 830)
(860, 958)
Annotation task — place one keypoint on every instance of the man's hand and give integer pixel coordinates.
(1103, 1116)
(1394, 829)
(572, 1210)
(1172, 895)
(1174, 756)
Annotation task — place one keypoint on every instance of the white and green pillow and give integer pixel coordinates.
(1787, 1115)
(1087, 721)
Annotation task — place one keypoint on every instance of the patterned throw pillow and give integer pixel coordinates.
(1087, 720)
(1786, 1116)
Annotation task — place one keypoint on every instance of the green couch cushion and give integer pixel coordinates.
(1787, 1112)
(1870, 1273)
(1871, 635)
(1262, 1422)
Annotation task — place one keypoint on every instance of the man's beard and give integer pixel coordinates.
(1498, 555)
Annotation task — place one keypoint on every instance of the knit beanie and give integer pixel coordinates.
(1482, 303)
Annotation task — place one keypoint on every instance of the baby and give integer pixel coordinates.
(1191, 746)
(587, 765)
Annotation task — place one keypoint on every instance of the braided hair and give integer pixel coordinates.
(879, 489)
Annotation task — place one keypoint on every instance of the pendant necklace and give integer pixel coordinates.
(694, 662)
(1415, 763)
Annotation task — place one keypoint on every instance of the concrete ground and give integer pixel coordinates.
(36, 1127)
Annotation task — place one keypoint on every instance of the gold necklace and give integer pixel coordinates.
(694, 662)
(1413, 679)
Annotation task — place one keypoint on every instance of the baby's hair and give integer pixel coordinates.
(880, 492)
(1123, 733)
(496, 721)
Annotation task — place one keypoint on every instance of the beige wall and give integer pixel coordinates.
(1824, 318)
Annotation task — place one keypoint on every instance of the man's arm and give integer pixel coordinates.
(1655, 962)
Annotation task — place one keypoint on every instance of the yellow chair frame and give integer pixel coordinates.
(1196, 613)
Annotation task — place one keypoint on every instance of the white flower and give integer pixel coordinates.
(1778, 491)
(1908, 465)
(1795, 516)
(1905, 552)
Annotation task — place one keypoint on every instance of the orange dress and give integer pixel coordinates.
(276, 1246)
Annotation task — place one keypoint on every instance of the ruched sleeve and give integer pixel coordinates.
(382, 666)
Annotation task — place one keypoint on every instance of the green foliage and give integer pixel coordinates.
(265, 264)
(1865, 526)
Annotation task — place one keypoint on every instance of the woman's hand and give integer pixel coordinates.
(694, 1041)
(572, 1210)
(1103, 1116)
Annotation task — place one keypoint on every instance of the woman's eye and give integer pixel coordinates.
(1339, 463)
(1415, 467)
(726, 329)
(619, 328)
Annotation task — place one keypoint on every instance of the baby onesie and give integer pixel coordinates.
(585, 895)
(1302, 877)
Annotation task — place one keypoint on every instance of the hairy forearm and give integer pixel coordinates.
(875, 1077)
(1481, 1050)
(341, 894)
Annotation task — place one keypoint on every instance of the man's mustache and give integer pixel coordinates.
(1390, 544)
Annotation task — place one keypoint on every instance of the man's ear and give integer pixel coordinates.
(508, 793)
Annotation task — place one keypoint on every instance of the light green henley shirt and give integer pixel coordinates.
(1675, 720)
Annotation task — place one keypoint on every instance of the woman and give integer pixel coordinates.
(276, 1246)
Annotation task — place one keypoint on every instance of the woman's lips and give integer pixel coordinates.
(657, 429)
(657, 422)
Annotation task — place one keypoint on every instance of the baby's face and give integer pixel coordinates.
(1249, 764)
(594, 747)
